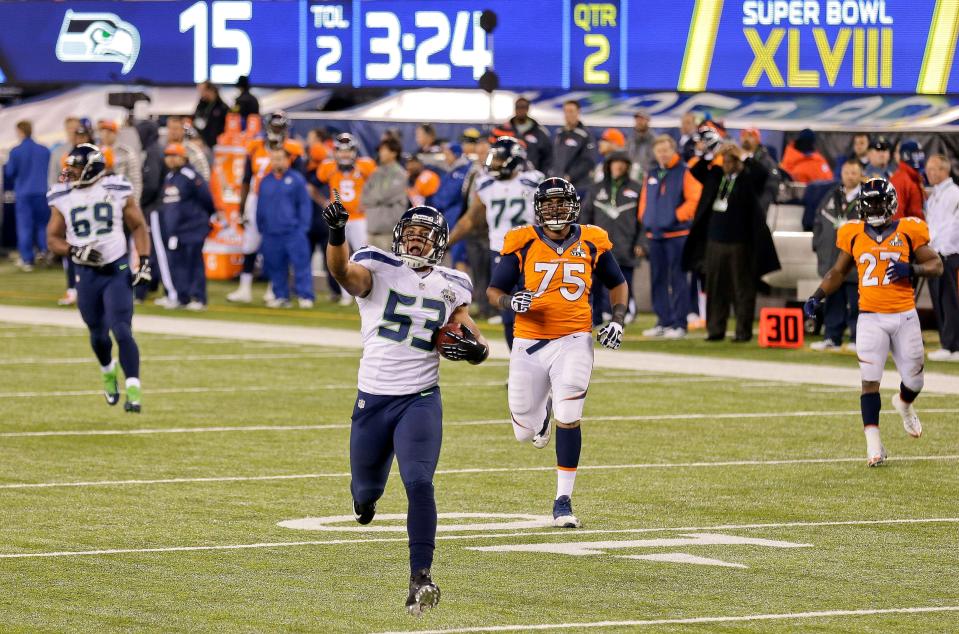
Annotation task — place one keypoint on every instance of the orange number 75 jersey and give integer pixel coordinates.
(560, 277)
(873, 256)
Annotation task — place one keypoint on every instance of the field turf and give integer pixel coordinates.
(168, 521)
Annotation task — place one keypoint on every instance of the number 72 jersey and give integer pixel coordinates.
(509, 203)
(94, 214)
(873, 256)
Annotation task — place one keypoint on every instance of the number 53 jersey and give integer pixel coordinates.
(399, 317)
(559, 275)
(873, 253)
(94, 214)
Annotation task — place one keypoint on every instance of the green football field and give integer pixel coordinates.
(708, 504)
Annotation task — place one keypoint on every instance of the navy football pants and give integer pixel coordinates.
(411, 427)
(105, 300)
(509, 317)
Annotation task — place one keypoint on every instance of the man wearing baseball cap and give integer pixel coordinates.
(610, 142)
(539, 147)
(907, 179)
(880, 150)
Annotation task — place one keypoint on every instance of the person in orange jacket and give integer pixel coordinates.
(907, 179)
(803, 163)
(423, 182)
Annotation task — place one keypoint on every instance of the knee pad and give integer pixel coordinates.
(523, 434)
(366, 495)
(419, 490)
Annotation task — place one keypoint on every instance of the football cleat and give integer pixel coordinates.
(563, 513)
(541, 438)
(363, 513)
(423, 594)
(240, 296)
(111, 387)
(878, 459)
(910, 420)
(132, 404)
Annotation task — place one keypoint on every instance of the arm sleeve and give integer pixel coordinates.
(641, 210)
(700, 169)
(203, 195)
(247, 170)
(692, 190)
(10, 170)
(304, 208)
(608, 270)
(261, 215)
(506, 273)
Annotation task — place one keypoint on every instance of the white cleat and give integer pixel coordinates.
(541, 439)
(304, 303)
(240, 296)
(655, 331)
(910, 420)
(878, 459)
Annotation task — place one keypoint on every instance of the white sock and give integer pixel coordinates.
(109, 368)
(564, 482)
(246, 281)
(135, 382)
(873, 442)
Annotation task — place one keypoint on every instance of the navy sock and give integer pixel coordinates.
(249, 262)
(102, 346)
(569, 443)
(907, 395)
(129, 352)
(871, 404)
(421, 524)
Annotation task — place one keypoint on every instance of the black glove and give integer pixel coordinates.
(336, 217)
(466, 348)
(144, 274)
(86, 255)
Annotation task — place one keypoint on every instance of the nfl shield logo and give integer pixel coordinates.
(361, 403)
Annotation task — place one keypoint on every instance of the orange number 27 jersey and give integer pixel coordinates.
(873, 256)
(560, 277)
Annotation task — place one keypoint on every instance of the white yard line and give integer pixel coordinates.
(609, 359)
(252, 356)
(464, 423)
(613, 467)
(686, 621)
(475, 536)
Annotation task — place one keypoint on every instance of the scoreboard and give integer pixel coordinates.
(819, 46)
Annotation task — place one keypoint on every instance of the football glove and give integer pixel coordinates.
(335, 213)
(898, 271)
(466, 348)
(144, 274)
(521, 301)
(86, 255)
(811, 306)
(610, 335)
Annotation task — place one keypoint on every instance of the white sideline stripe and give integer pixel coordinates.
(332, 386)
(682, 621)
(609, 359)
(462, 423)
(553, 533)
(314, 476)
(253, 356)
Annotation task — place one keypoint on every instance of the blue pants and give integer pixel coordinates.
(670, 286)
(841, 310)
(411, 427)
(282, 251)
(189, 273)
(105, 300)
(509, 317)
(33, 214)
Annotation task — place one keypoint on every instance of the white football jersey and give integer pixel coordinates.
(508, 203)
(94, 214)
(398, 319)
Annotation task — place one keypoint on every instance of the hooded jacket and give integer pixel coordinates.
(908, 183)
(612, 206)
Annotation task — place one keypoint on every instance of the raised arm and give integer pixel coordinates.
(356, 279)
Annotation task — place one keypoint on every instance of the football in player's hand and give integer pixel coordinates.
(443, 337)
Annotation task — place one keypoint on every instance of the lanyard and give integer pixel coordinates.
(725, 187)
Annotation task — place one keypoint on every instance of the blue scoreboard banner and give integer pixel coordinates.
(818, 46)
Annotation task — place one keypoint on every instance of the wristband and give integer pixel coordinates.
(819, 295)
(504, 302)
(337, 236)
(619, 314)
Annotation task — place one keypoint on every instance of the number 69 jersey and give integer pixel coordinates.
(94, 214)
(559, 275)
(398, 320)
(873, 255)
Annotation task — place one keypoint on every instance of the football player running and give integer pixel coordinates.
(404, 297)
(887, 254)
(89, 210)
(505, 195)
(553, 265)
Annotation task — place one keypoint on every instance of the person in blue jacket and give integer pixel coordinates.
(450, 199)
(26, 173)
(283, 215)
(185, 212)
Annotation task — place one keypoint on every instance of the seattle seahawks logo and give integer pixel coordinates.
(98, 37)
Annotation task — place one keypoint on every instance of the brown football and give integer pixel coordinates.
(443, 337)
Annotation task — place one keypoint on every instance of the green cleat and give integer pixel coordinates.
(132, 404)
(111, 388)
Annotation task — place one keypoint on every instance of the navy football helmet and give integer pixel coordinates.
(344, 150)
(877, 202)
(85, 165)
(277, 128)
(421, 249)
(555, 204)
(510, 156)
